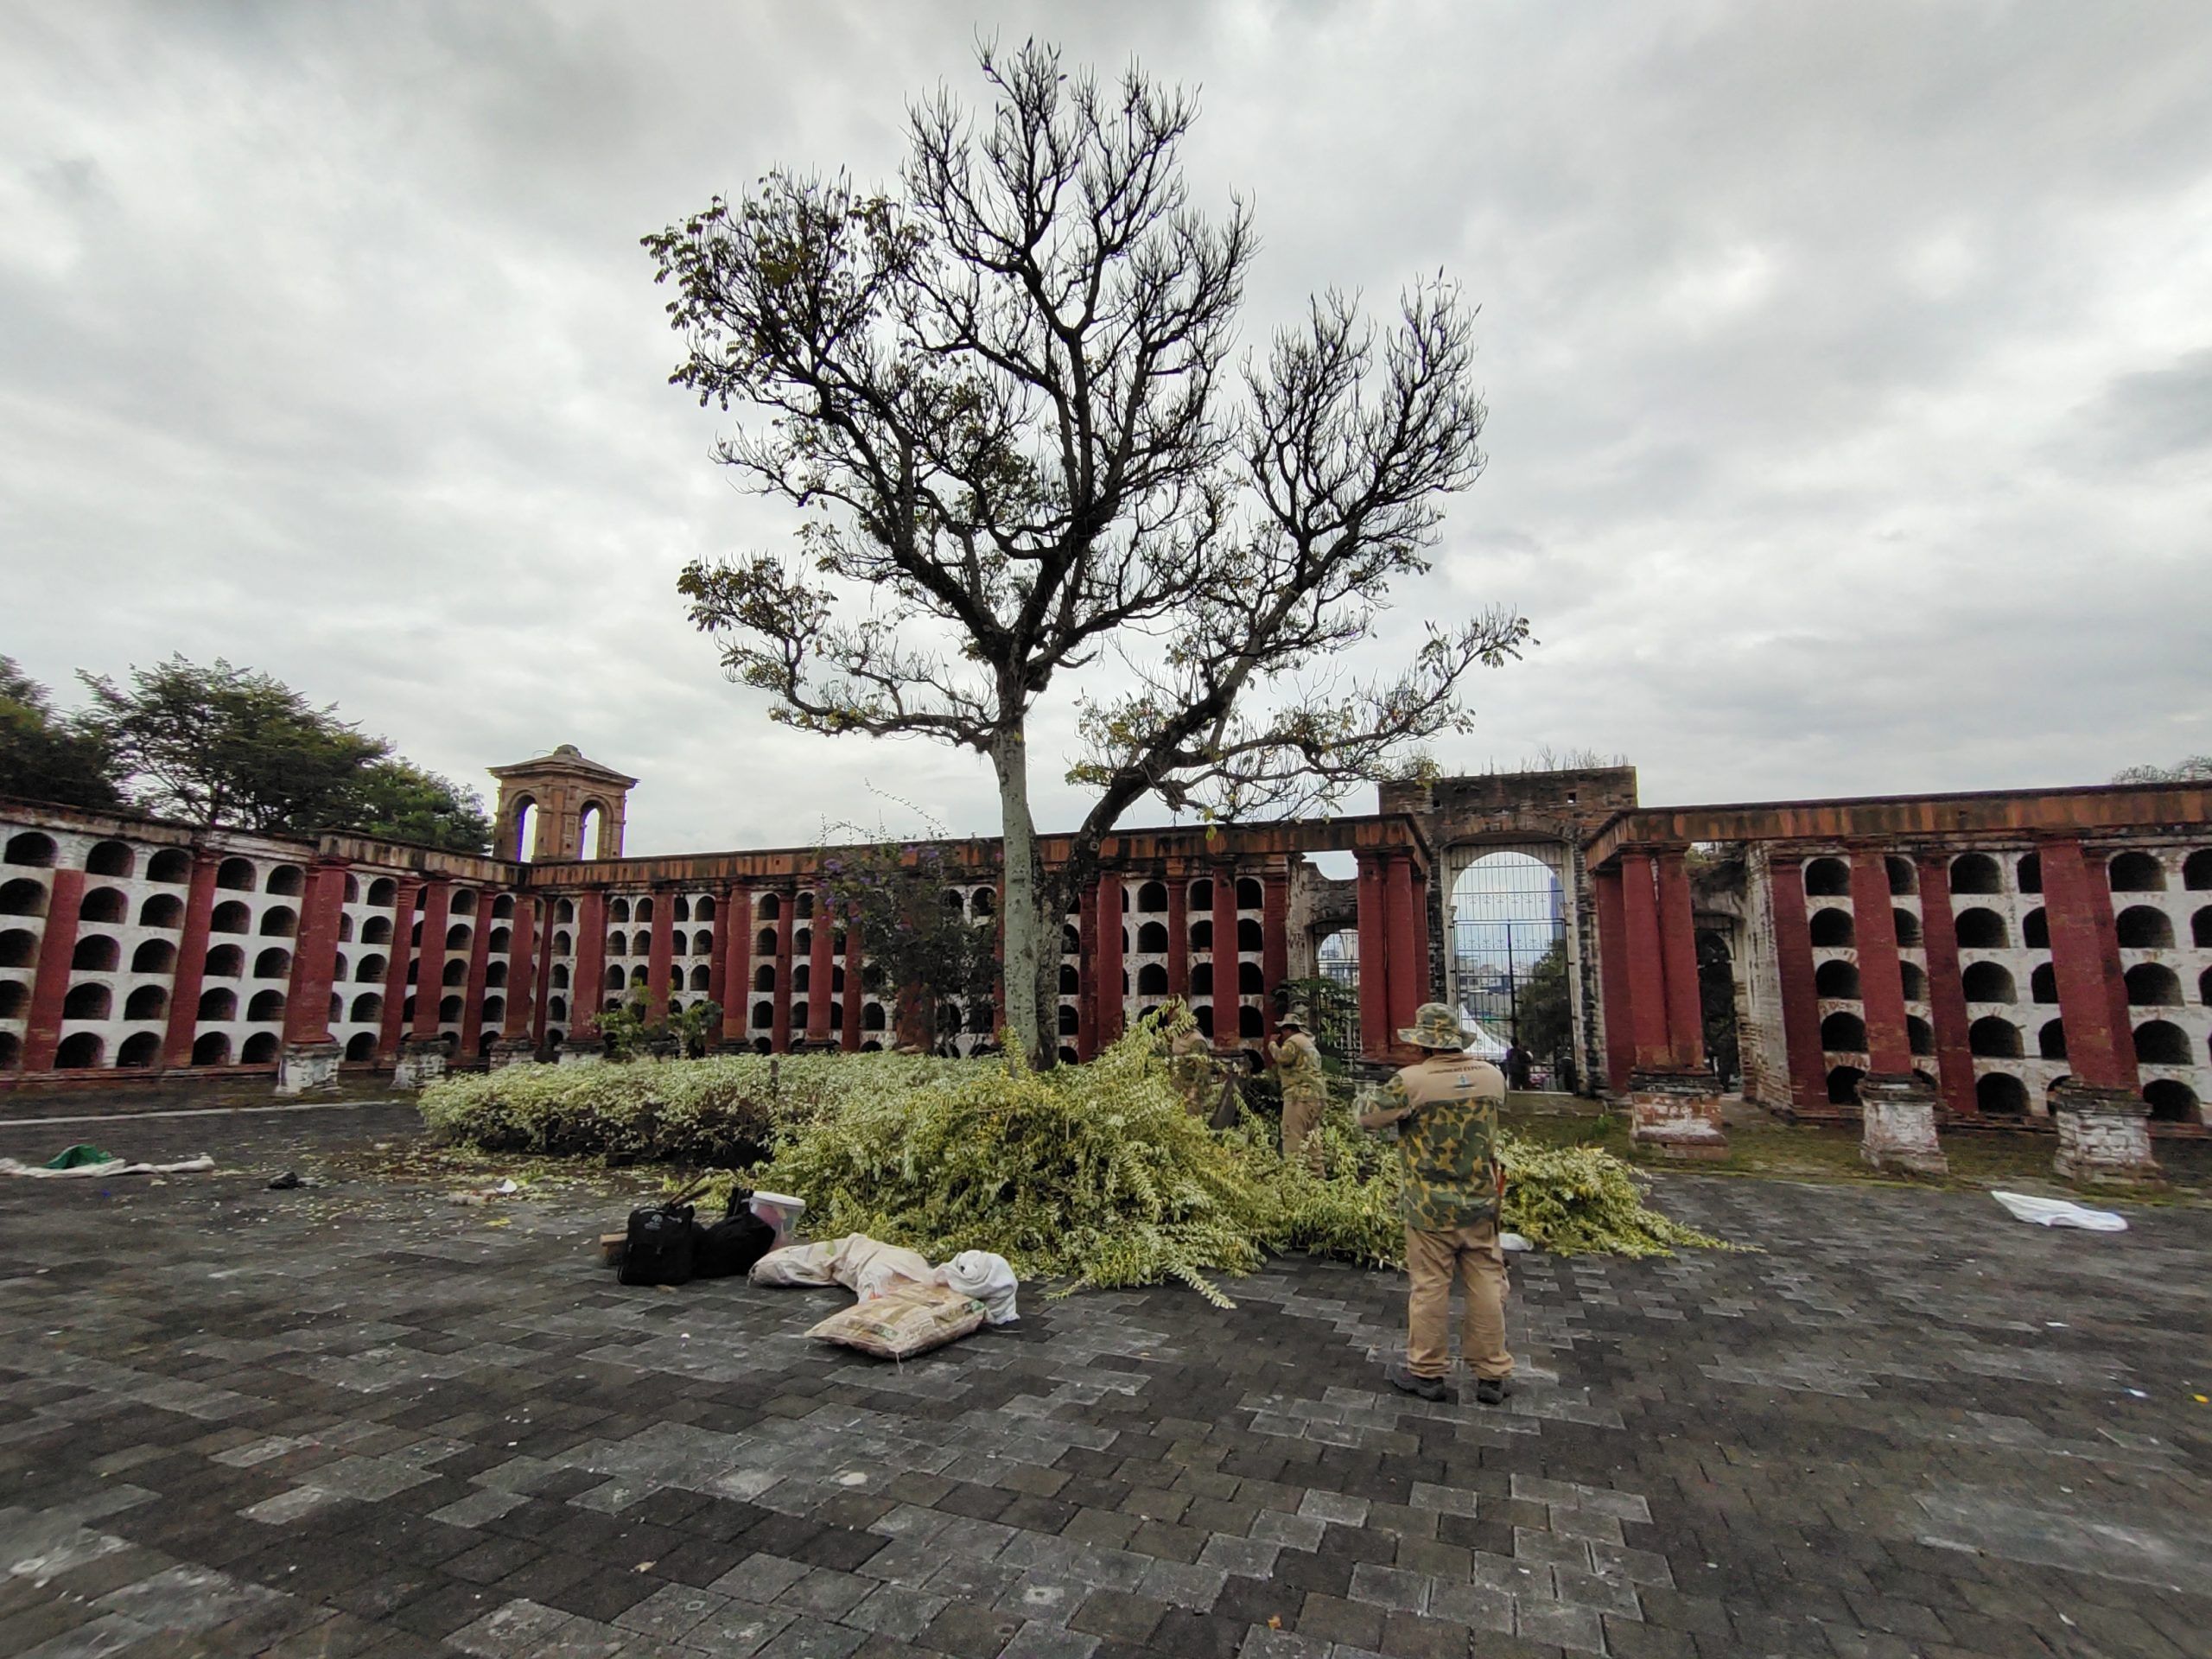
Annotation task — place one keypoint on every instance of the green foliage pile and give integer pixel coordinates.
(1093, 1173)
(721, 1112)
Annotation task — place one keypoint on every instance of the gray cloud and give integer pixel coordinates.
(1849, 368)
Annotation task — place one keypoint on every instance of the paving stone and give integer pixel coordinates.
(1860, 1439)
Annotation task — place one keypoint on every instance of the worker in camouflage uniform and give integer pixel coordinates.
(1297, 1061)
(1192, 1071)
(1445, 1111)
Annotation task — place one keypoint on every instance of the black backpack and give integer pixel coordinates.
(658, 1250)
(731, 1246)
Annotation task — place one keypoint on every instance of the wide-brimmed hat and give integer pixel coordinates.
(1293, 1016)
(1436, 1026)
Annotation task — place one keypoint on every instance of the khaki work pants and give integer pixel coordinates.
(1302, 1115)
(1431, 1261)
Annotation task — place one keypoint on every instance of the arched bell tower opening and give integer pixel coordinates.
(569, 807)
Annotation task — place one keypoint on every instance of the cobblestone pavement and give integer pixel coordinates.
(359, 1420)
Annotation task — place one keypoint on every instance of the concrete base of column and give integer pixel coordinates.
(509, 1051)
(1897, 1127)
(2104, 1137)
(580, 1051)
(1676, 1114)
(309, 1068)
(421, 1061)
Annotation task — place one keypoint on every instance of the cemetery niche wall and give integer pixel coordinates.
(1990, 954)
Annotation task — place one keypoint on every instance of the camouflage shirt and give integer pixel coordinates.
(1298, 1065)
(1447, 1142)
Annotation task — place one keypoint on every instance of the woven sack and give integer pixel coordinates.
(904, 1322)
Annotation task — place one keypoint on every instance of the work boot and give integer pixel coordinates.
(1491, 1390)
(1428, 1388)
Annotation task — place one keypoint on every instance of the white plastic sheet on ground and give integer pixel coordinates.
(2058, 1212)
(101, 1172)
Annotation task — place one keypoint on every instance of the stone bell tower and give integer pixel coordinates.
(574, 808)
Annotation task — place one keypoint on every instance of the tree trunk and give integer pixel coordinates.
(1027, 928)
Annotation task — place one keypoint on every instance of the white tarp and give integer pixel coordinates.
(2057, 1212)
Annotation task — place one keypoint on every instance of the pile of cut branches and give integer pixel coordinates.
(1096, 1173)
(718, 1113)
(1092, 1174)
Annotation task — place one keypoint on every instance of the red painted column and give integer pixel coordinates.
(1375, 1037)
(314, 963)
(1179, 935)
(1227, 1000)
(1112, 927)
(1881, 987)
(718, 952)
(855, 994)
(1086, 982)
(820, 961)
(2085, 960)
(395, 977)
(586, 993)
(523, 995)
(1946, 997)
(480, 964)
(541, 1008)
(1612, 979)
(659, 954)
(779, 1033)
(1678, 949)
(1274, 932)
(1426, 979)
(1647, 968)
(1405, 984)
(736, 951)
(191, 963)
(1801, 1012)
(50, 985)
(430, 978)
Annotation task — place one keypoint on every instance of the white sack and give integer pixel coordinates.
(864, 1266)
(988, 1279)
(797, 1264)
(868, 1267)
(2057, 1212)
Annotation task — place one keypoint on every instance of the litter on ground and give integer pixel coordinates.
(105, 1164)
(2059, 1212)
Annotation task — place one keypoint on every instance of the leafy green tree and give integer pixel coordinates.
(1333, 1012)
(1543, 1002)
(632, 1031)
(921, 947)
(225, 746)
(2189, 769)
(50, 757)
(1002, 397)
(398, 799)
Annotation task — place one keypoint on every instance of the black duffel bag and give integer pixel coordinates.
(730, 1247)
(660, 1247)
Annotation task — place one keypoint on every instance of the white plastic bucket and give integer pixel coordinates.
(780, 1210)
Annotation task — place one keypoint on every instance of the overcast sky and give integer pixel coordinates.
(1849, 367)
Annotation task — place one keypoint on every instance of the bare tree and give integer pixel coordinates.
(1002, 395)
